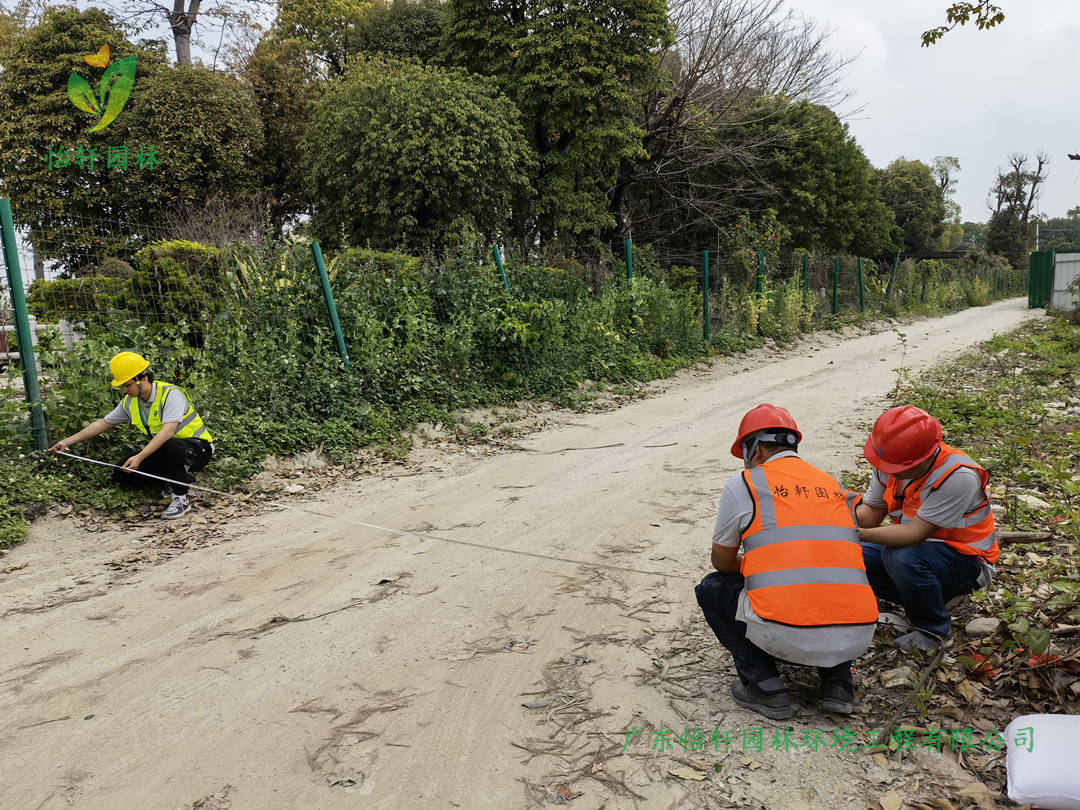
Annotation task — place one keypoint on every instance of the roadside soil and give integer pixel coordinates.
(254, 657)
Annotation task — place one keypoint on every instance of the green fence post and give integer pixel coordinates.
(22, 326)
(628, 246)
(705, 295)
(805, 273)
(760, 270)
(892, 278)
(328, 294)
(835, 285)
(498, 263)
(862, 287)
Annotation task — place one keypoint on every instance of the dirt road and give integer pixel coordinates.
(295, 661)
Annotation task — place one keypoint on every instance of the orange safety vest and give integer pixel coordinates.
(975, 535)
(802, 560)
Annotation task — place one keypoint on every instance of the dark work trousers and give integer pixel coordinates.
(718, 595)
(176, 459)
(922, 578)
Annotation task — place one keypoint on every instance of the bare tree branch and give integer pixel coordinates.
(726, 55)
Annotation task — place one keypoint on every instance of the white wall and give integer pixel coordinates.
(1066, 268)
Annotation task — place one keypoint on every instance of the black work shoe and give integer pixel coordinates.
(839, 697)
(918, 640)
(774, 705)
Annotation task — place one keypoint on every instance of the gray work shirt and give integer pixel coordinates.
(811, 646)
(960, 493)
(172, 409)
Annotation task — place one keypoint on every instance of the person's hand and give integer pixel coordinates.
(60, 447)
(132, 463)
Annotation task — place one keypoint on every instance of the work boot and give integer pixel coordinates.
(918, 640)
(839, 697)
(179, 507)
(893, 622)
(774, 705)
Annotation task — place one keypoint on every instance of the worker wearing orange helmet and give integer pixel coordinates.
(941, 543)
(178, 443)
(800, 593)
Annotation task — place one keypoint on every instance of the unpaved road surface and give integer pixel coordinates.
(288, 660)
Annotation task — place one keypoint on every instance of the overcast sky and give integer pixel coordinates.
(977, 95)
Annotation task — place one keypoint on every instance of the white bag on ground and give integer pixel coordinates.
(1042, 751)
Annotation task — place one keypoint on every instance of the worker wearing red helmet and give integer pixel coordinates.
(800, 593)
(941, 543)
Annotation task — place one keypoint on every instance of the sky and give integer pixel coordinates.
(976, 95)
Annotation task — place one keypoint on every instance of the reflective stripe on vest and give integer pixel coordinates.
(976, 534)
(190, 426)
(803, 563)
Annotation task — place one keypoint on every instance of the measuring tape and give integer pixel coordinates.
(377, 527)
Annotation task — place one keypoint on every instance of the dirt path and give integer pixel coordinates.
(295, 661)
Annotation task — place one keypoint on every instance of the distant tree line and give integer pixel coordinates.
(435, 126)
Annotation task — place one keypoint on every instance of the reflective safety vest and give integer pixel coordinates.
(975, 535)
(190, 427)
(802, 560)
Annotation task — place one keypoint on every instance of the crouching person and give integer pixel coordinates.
(800, 594)
(941, 543)
(178, 443)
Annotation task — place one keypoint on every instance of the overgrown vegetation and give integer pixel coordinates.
(1013, 405)
(246, 333)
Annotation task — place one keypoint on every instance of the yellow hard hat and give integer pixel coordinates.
(127, 366)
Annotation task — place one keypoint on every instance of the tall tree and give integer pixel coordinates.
(1011, 200)
(945, 169)
(284, 79)
(37, 120)
(1017, 188)
(908, 187)
(84, 192)
(804, 165)
(328, 26)
(703, 118)
(576, 70)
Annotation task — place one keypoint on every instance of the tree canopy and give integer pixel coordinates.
(909, 188)
(821, 184)
(185, 134)
(399, 153)
(574, 71)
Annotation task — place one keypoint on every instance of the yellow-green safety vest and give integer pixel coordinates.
(190, 427)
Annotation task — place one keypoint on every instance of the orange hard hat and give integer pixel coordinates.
(902, 438)
(764, 417)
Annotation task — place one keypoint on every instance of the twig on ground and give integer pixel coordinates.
(924, 677)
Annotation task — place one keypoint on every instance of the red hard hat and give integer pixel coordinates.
(764, 417)
(902, 438)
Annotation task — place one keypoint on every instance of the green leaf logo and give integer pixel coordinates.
(114, 90)
(81, 95)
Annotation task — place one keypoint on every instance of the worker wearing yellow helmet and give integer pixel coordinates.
(178, 442)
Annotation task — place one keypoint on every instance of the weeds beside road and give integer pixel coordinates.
(1014, 406)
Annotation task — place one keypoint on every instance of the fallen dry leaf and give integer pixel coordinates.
(979, 793)
(950, 710)
(881, 760)
(687, 773)
(943, 804)
(966, 690)
(890, 801)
